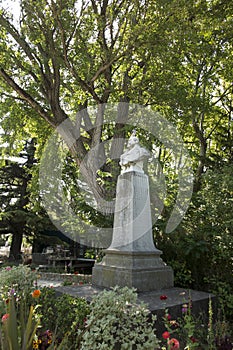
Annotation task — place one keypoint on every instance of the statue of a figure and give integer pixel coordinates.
(132, 158)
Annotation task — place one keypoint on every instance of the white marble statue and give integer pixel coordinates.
(132, 159)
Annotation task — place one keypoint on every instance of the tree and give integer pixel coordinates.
(14, 197)
(21, 213)
(197, 76)
(67, 65)
(171, 56)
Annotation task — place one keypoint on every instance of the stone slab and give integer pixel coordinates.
(176, 297)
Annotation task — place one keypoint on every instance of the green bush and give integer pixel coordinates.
(18, 277)
(58, 314)
(117, 321)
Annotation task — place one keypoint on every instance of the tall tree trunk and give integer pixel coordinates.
(200, 133)
(201, 164)
(15, 249)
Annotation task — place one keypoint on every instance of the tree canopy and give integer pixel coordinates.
(171, 56)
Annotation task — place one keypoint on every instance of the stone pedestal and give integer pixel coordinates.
(132, 259)
(144, 271)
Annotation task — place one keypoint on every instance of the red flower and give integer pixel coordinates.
(168, 317)
(174, 344)
(163, 297)
(5, 317)
(166, 335)
(81, 283)
(194, 340)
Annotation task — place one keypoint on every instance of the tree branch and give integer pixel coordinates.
(26, 97)
(103, 68)
(15, 34)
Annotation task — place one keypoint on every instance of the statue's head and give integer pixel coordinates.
(133, 140)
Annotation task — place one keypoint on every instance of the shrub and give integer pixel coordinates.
(117, 321)
(18, 277)
(58, 314)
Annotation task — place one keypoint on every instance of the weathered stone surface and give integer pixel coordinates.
(144, 271)
(132, 230)
(132, 259)
(175, 299)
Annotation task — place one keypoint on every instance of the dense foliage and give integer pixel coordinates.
(170, 56)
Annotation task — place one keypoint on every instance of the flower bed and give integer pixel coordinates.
(33, 318)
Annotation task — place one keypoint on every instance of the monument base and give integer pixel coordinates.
(174, 301)
(144, 271)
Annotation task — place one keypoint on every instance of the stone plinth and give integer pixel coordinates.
(142, 270)
(132, 259)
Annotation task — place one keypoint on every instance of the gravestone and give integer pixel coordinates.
(132, 259)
